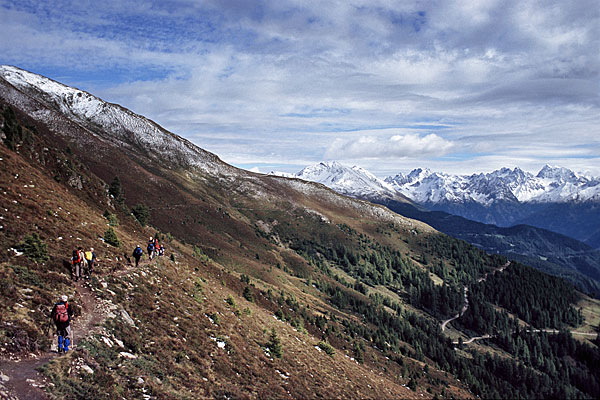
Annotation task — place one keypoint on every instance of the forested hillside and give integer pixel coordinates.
(547, 251)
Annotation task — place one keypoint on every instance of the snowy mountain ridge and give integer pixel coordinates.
(550, 185)
(126, 127)
(352, 181)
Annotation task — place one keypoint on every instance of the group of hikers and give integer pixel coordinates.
(82, 266)
(154, 249)
(82, 260)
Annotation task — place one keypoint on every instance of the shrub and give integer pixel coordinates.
(34, 248)
(214, 317)
(274, 345)
(248, 294)
(112, 218)
(14, 133)
(412, 384)
(230, 301)
(141, 212)
(327, 348)
(114, 189)
(111, 238)
(279, 315)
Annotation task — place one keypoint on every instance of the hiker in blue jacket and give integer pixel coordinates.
(137, 254)
(61, 314)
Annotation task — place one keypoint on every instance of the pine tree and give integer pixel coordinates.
(34, 248)
(115, 191)
(274, 345)
(111, 238)
(141, 212)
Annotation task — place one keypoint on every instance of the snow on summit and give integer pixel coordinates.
(551, 184)
(352, 181)
(125, 126)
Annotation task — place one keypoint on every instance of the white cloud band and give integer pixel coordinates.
(397, 146)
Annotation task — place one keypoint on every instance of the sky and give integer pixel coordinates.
(454, 86)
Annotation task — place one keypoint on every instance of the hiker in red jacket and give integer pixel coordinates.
(77, 263)
(61, 315)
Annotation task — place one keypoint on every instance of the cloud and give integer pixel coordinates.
(294, 80)
(397, 146)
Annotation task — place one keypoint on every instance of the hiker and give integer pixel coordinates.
(90, 257)
(137, 254)
(77, 262)
(150, 248)
(61, 315)
(161, 250)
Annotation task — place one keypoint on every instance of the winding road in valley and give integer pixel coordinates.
(466, 305)
(487, 336)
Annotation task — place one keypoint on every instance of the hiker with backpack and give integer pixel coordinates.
(137, 254)
(61, 315)
(77, 262)
(150, 248)
(90, 257)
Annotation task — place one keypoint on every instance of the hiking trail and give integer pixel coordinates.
(19, 378)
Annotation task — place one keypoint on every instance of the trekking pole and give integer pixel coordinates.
(50, 328)
(72, 334)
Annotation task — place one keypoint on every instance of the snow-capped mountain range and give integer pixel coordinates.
(352, 181)
(556, 199)
(549, 185)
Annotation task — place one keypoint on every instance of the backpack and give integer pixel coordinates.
(62, 312)
(150, 246)
(138, 251)
(76, 257)
(88, 255)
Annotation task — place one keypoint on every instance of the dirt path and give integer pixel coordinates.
(19, 378)
(24, 382)
(556, 331)
(487, 336)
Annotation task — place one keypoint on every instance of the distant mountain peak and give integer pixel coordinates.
(554, 172)
(353, 181)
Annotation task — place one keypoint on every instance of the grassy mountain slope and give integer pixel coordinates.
(195, 333)
(50, 188)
